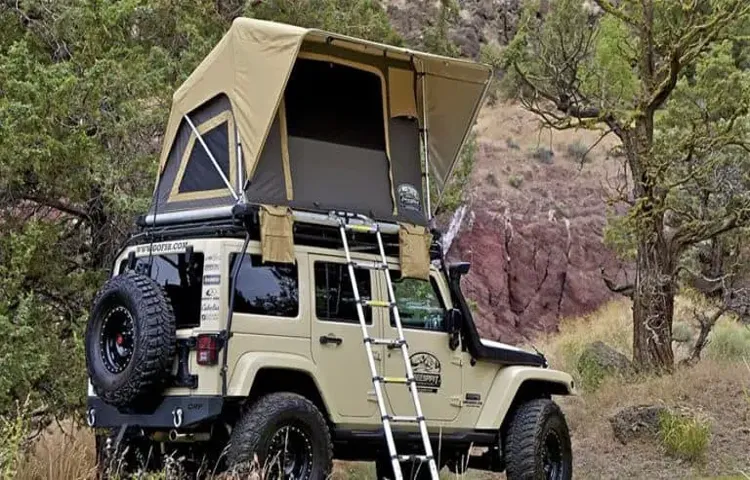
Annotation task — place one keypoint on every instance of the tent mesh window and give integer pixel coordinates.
(200, 173)
(335, 103)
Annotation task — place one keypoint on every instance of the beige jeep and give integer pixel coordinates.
(231, 334)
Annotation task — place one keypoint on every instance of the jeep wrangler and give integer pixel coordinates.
(239, 329)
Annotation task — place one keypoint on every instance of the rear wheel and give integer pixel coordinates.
(537, 443)
(282, 436)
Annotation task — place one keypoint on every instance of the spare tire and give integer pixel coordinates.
(130, 340)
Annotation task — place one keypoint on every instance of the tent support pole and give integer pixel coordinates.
(426, 145)
(240, 175)
(211, 156)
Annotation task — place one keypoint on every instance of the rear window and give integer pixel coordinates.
(265, 288)
(181, 280)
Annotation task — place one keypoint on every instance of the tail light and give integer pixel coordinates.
(207, 348)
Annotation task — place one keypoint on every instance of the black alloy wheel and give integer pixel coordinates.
(537, 442)
(552, 459)
(117, 339)
(282, 436)
(290, 453)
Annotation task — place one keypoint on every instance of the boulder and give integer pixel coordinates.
(636, 422)
(604, 358)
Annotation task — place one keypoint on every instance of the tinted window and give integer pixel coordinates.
(335, 103)
(200, 173)
(181, 281)
(265, 288)
(334, 299)
(419, 303)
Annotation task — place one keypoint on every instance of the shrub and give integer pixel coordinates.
(515, 181)
(543, 155)
(684, 437)
(512, 144)
(591, 374)
(578, 151)
(729, 340)
(14, 430)
(682, 333)
(492, 179)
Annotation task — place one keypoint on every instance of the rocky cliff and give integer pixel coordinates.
(532, 225)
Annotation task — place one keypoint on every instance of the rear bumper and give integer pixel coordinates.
(173, 412)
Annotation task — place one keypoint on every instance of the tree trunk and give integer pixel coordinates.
(653, 309)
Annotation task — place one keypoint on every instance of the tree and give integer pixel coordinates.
(668, 79)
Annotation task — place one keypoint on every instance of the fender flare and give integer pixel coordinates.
(508, 382)
(249, 364)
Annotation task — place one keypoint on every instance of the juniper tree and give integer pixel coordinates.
(668, 79)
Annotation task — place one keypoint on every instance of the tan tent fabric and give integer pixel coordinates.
(414, 251)
(252, 63)
(276, 234)
(402, 94)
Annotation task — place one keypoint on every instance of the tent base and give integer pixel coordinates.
(311, 229)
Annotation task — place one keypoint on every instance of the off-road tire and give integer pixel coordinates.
(253, 433)
(154, 341)
(532, 424)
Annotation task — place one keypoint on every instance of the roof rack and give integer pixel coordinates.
(310, 228)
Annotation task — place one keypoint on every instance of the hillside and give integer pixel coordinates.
(534, 216)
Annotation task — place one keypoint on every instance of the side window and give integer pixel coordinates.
(265, 288)
(419, 303)
(182, 281)
(334, 299)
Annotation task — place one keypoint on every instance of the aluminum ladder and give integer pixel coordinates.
(378, 381)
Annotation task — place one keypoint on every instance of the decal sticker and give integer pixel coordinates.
(211, 267)
(211, 317)
(211, 293)
(426, 368)
(210, 306)
(211, 279)
(408, 198)
(162, 248)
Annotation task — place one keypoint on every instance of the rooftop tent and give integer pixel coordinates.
(287, 116)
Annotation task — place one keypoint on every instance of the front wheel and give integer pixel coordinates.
(537, 443)
(281, 436)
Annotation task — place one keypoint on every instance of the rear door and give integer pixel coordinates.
(337, 343)
(437, 368)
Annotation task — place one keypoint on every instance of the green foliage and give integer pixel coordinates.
(357, 18)
(578, 151)
(455, 190)
(14, 431)
(543, 155)
(435, 37)
(684, 437)
(729, 341)
(515, 181)
(682, 332)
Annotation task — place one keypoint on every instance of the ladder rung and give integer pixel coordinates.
(385, 341)
(412, 458)
(401, 380)
(378, 303)
(403, 419)
(360, 228)
(370, 266)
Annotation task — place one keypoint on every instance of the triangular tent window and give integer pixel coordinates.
(200, 174)
(198, 177)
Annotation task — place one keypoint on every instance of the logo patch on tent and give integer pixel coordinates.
(408, 198)
(426, 368)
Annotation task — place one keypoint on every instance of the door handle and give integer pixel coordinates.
(326, 339)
